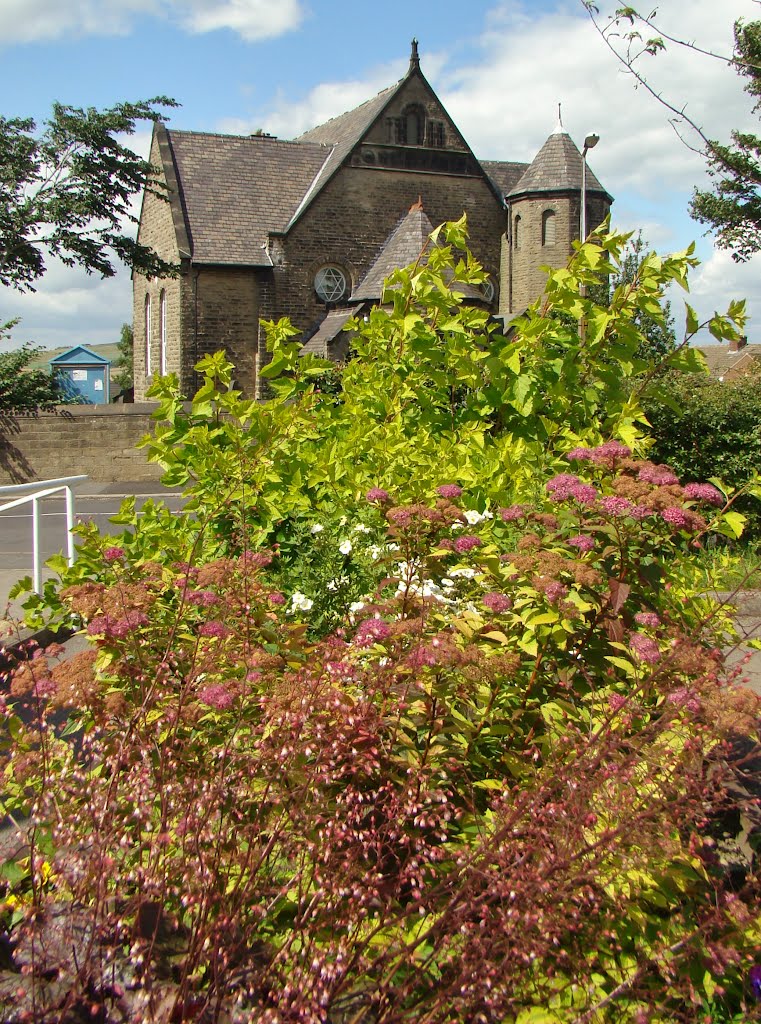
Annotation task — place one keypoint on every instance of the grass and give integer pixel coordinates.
(731, 568)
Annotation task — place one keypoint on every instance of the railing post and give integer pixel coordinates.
(69, 524)
(37, 581)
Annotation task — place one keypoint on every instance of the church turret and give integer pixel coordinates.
(543, 219)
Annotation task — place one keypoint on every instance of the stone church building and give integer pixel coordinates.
(264, 228)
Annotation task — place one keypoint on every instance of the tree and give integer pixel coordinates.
(656, 328)
(67, 192)
(732, 208)
(125, 377)
(22, 388)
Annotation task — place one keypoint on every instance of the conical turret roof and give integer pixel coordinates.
(557, 168)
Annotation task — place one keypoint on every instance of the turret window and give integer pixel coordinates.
(517, 233)
(548, 227)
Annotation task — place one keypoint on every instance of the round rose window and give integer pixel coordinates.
(330, 284)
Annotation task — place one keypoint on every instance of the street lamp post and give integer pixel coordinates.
(589, 143)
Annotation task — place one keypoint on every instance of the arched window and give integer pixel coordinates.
(414, 117)
(148, 339)
(517, 232)
(548, 227)
(162, 333)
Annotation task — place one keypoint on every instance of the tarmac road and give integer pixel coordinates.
(95, 502)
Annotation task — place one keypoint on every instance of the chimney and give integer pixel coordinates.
(737, 343)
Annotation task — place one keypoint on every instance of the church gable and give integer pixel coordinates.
(414, 132)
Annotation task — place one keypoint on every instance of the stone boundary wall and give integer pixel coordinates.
(97, 440)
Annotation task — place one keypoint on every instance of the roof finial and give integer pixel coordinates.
(418, 205)
(414, 59)
(559, 129)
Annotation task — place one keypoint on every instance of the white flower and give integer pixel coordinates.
(317, 528)
(374, 551)
(300, 602)
(345, 547)
(446, 582)
(464, 571)
(356, 606)
(361, 528)
(332, 584)
(474, 518)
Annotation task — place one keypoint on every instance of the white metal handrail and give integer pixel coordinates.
(34, 492)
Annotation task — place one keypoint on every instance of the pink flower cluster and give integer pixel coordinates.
(675, 517)
(497, 602)
(661, 476)
(214, 628)
(467, 543)
(612, 505)
(377, 494)
(581, 542)
(117, 629)
(555, 592)
(217, 696)
(685, 698)
(645, 648)
(512, 513)
(449, 490)
(112, 554)
(704, 492)
(202, 598)
(565, 486)
(647, 619)
(371, 631)
(603, 455)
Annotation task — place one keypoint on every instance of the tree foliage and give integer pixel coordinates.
(23, 388)
(125, 376)
(710, 428)
(67, 191)
(732, 208)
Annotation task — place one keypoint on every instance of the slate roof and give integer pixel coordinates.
(404, 246)
(557, 168)
(234, 190)
(505, 174)
(342, 133)
(331, 326)
(723, 363)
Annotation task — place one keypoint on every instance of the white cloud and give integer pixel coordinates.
(719, 280)
(23, 21)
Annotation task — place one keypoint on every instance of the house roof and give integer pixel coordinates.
(79, 355)
(722, 362)
(404, 246)
(331, 326)
(505, 174)
(557, 168)
(235, 190)
(342, 133)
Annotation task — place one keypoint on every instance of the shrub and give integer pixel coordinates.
(485, 776)
(711, 428)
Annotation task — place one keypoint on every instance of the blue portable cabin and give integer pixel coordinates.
(85, 376)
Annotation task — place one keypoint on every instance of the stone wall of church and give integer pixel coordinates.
(157, 231)
(349, 222)
(221, 311)
(523, 280)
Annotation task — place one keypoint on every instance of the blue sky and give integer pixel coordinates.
(500, 67)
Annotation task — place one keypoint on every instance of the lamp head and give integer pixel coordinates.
(591, 141)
